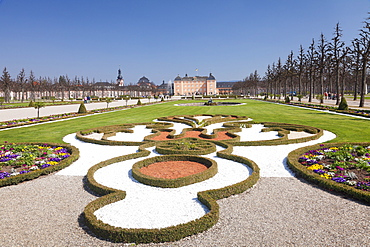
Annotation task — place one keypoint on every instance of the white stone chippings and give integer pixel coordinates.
(201, 118)
(272, 159)
(169, 206)
(91, 154)
(255, 133)
(139, 132)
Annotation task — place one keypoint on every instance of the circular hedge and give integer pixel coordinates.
(177, 182)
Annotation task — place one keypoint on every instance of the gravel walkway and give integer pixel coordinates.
(276, 212)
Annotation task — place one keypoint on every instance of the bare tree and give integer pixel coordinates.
(6, 84)
(300, 68)
(337, 48)
(363, 44)
(322, 49)
(311, 59)
(356, 65)
(21, 80)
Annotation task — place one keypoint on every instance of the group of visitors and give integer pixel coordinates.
(329, 95)
(87, 99)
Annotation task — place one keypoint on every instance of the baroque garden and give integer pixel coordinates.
(144, 182)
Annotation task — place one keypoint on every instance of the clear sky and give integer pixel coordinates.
(160, 39)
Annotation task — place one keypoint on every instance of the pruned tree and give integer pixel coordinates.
(32, 85)
(337, 48)
(37, 106)
(6, 84)
(21, 80)
(300, 68)
(355, 52)
(311, 60)
(322, 50)
(363, 50)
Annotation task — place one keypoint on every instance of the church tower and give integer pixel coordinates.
(120, 81)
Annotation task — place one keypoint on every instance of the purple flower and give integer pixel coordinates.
(44, 166)
(4, 175)
(55, 159)
(339, 179)
(319, 171)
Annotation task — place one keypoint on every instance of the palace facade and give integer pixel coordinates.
(194, 85)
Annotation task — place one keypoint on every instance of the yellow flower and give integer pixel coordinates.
(52, 163)
(315, 167)
(325, 175)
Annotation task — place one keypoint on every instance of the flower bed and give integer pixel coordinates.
(346, 164)
(27, 121)
(24, 161)
(340, 167)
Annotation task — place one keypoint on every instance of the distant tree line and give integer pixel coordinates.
(327, 68)
(26, 88)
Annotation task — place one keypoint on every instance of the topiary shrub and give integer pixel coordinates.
(343, 104)
(139, 102)
(31, 104)
(287, 99)
(82, 108)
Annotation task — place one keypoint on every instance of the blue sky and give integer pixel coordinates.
(160, 39)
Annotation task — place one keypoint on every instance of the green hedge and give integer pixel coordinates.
(201, 148)
(283, 130)
(327, 184)
(168, 234)
(37, 173)
(177, 182)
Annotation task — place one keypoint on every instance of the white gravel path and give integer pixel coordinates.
(152, 207)
(272, 159)
(140, 131)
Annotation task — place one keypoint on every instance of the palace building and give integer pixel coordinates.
(193, 85)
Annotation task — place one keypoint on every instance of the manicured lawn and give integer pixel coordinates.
(346, 128)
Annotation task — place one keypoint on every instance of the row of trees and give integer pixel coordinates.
(325, 68)
(30, 88)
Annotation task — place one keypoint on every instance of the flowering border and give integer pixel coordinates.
(315, 178)
(12, 180)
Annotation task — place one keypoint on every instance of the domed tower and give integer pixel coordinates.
(120, 81)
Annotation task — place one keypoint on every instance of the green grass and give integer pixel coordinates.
(347, 129)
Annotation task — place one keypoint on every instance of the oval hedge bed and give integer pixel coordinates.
(338, 172)
(177, 182)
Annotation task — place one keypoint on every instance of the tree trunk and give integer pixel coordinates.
(363, 82)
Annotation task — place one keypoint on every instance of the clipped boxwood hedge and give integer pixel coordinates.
(327, 184)
(177, 182)
(12, 180)
(191, 146)
(168, 234)
(208, 198)
(283, 130)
